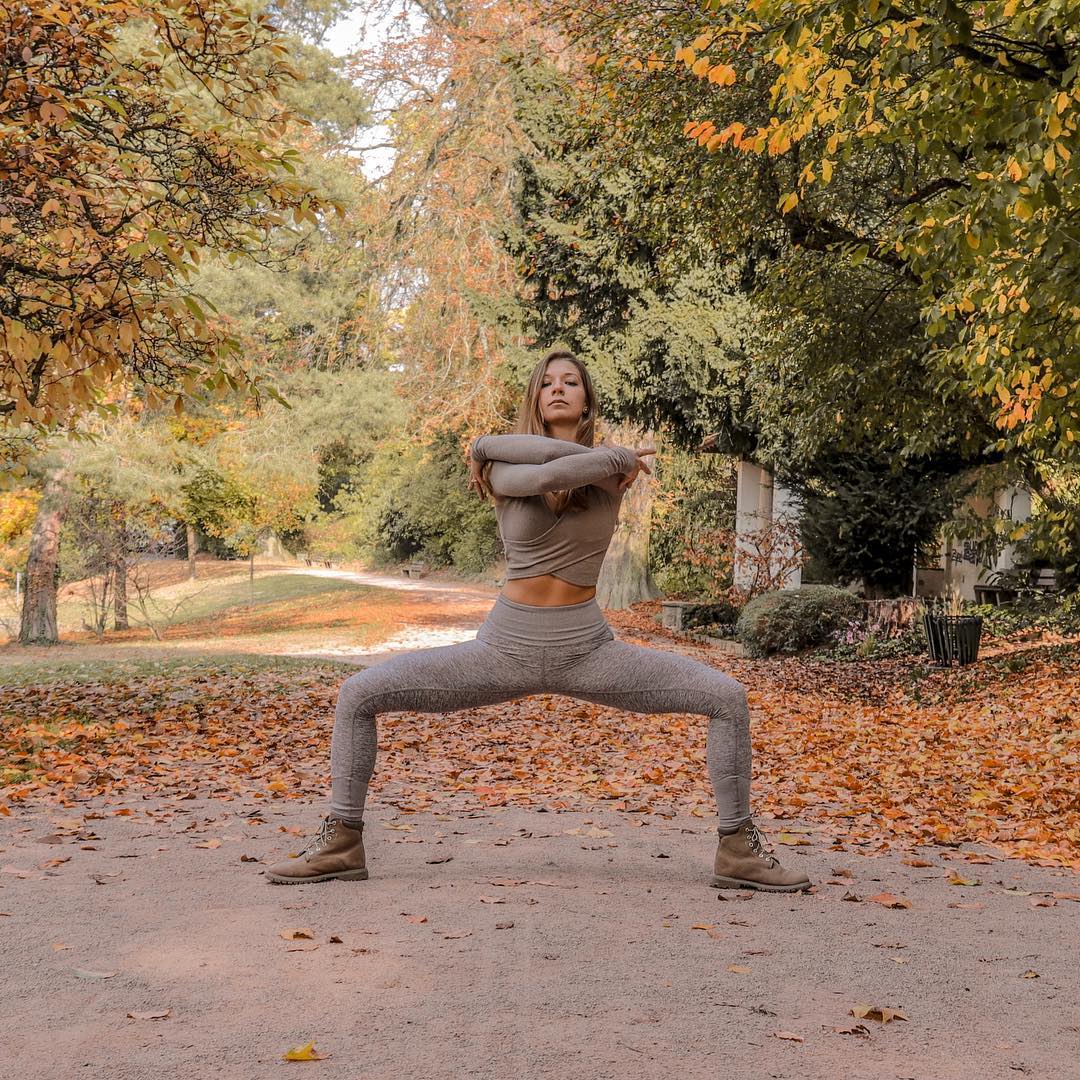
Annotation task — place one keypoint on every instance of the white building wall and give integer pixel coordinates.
(759, 501)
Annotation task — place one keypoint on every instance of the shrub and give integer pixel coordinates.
(790, 620)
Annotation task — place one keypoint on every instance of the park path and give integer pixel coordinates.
(408, 638)
(512, 944)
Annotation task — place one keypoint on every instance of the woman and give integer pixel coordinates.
(557, 502)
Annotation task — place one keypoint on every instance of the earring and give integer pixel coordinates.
(585, 411)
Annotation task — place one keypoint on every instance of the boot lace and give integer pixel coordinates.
(756, 842)
(321, 838)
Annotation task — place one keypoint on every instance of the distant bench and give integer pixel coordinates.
(415, 570)
(310, 560)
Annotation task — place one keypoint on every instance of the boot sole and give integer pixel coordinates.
(739, 883)
(341, 875)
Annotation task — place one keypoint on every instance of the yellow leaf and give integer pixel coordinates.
(826, 169)
(738, 969)
(722, 74)
(1022, 209)
(307, 1052)
(1049, 161)
(789, 203)
(973, 240)
(701, 65)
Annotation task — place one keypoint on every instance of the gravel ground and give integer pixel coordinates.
(513, 944)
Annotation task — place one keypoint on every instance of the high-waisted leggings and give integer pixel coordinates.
(523, 649)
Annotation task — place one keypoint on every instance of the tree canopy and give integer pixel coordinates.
(135, 137)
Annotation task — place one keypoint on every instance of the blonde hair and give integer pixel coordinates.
(530, 421)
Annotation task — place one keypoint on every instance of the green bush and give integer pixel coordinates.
(790, 620)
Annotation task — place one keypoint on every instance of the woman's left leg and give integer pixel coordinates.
(639, 679)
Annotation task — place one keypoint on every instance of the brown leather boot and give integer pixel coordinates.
(336, 851)
(742, 863)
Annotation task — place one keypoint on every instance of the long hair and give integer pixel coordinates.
(530, 421)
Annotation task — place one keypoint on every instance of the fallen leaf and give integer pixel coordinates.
(86, 973)
(504, 925)
(899, 959)
(890, 901)
(738, 969)
(307, 1052)
(160, 1014)
(457, 934)
(883, 1013)
(716, 935)
(298, 934)
(439, 859)
(955, 879)
(1066, 896)
(416, 918)
(60, 946)
(1030, 975)
(972, 905)
(789, 1035)
(208, 844)
(841, 871)
(792, 840)
(853, 897)
(916, 862)
(1042, 901)
(853, 1029)
(703, 926)
(335, 940)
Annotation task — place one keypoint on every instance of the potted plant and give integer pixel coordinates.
(950, 634)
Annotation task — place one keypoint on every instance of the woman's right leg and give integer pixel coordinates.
(438, 680)
(449, 677)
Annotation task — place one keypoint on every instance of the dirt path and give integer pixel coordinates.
(512, 944)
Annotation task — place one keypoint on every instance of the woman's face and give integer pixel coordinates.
(562, 394)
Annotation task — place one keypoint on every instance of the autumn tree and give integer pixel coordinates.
(929, 144)
(701, 318)
(134, 139)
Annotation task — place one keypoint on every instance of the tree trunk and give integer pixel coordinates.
(624, 577)
(191, 549)
(37, 625)
(120, 610)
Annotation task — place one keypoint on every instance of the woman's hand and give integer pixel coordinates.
(477, 480)
(642, 467)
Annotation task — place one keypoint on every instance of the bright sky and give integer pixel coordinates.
(346, 35)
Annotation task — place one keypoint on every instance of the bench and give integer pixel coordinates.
(415, 570)
(1005, 586)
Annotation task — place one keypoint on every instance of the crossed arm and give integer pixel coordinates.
(532, 464)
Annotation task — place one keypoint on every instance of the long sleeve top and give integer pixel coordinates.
(570, 546)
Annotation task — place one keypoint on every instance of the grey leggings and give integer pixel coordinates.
(522, 649)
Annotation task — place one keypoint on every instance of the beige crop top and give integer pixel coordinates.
(571, 545)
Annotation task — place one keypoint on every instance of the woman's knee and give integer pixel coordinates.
(358, 695)
(728, 699)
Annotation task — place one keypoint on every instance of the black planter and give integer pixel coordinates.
(953, 638)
